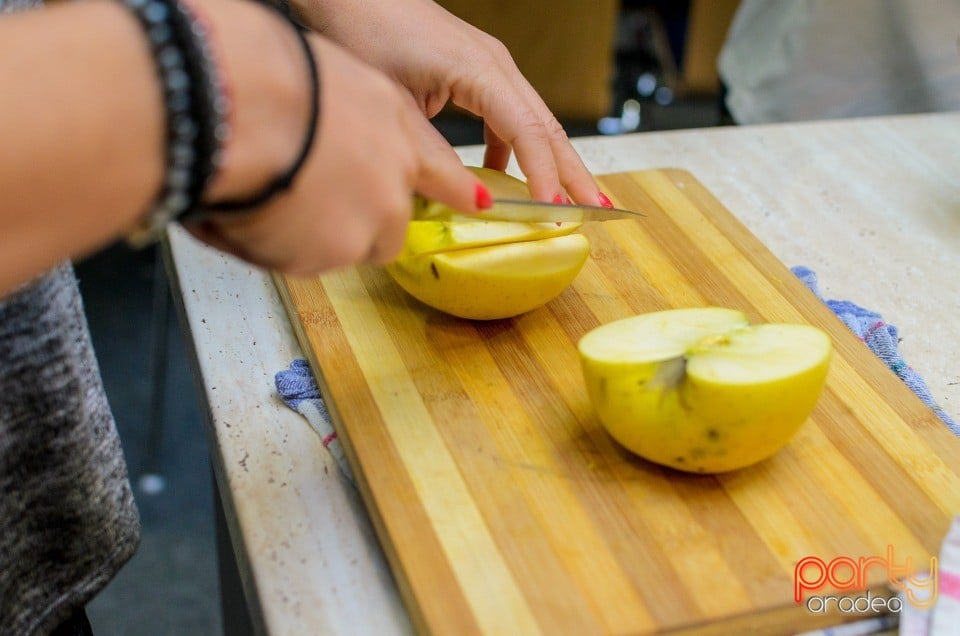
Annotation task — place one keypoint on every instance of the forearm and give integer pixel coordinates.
(82, 123)
(81, 157)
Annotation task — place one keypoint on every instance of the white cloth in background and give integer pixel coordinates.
(790, 60)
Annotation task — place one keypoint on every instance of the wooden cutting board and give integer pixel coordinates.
(505, 508)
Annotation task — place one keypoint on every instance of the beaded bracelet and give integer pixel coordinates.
(285, 180)
(196, 106)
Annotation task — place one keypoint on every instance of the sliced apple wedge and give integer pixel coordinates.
(430, 237)
(702, 390)
(495, 281)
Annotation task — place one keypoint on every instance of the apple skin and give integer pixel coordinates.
(672, 413)
(494, 281)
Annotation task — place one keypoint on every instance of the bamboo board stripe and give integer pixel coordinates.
(436, 478)
(504, 507)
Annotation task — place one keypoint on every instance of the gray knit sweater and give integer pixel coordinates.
(67, 516)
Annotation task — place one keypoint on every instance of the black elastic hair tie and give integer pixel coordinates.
(285, 180)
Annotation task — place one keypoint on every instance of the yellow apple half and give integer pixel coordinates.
(485, 270)
(702, 390)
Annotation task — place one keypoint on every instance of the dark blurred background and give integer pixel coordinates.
(604, 67)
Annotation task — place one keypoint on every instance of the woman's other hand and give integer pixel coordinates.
(438, 57)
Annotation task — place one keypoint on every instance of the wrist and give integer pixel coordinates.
(267, 76)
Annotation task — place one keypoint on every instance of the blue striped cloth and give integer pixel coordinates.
(882, 338)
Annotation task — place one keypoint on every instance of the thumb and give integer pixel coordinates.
(443, 176)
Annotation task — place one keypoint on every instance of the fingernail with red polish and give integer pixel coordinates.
(557, 199)
(568, 201)
(604, 201)
(484, 200)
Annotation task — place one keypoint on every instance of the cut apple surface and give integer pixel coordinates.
(430, 237)
(701, 389)
(485, 270)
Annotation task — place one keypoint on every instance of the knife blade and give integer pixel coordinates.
(521, 211)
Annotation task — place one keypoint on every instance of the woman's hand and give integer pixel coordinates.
(439, 57)
(351, 200)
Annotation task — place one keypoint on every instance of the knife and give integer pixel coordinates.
(520, 211)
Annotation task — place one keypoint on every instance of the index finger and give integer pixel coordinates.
(517, 117)
(572, 172)
(530, 140)
(515, 122)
